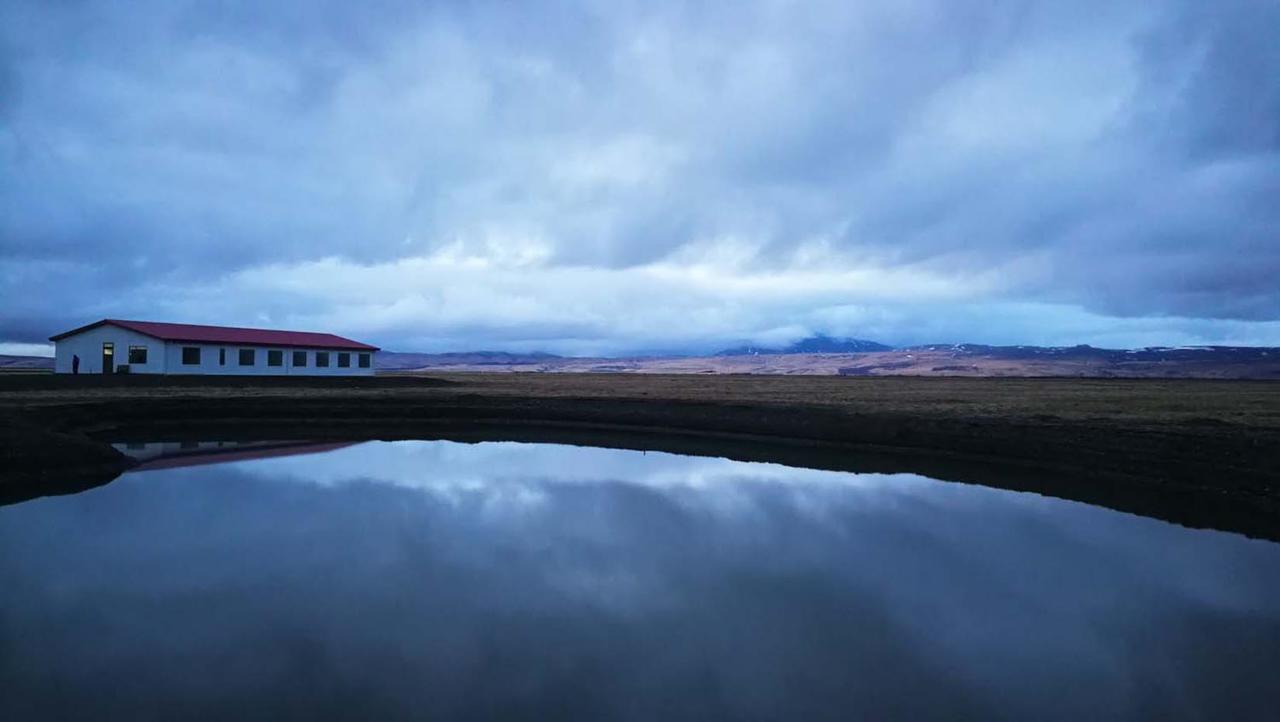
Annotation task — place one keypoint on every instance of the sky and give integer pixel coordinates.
(615, 177)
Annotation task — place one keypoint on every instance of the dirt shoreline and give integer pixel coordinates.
(1200, 453)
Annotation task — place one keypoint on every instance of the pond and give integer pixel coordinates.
(440, 580)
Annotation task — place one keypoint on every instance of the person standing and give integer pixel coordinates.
(75, 363)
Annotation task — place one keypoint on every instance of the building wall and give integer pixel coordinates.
(88, 345)
(166, 357)
(210, 361)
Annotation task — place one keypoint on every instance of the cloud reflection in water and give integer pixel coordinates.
(435, 579)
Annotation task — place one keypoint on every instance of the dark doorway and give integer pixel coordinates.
(108, 358)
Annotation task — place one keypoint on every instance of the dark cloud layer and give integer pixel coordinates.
(574, 176)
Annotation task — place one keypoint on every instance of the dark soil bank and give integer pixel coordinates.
(1202, 453)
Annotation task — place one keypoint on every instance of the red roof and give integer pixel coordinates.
(219, 456)
(227, 334)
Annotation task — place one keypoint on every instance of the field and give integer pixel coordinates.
(1197, 451)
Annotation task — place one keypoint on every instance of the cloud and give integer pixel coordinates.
(724, 169)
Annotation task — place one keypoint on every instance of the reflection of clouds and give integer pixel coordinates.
(508, 479)
(445, 464)
(548, 594)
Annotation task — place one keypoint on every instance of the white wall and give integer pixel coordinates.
(88, 345)
(209, 364)
(166, 357)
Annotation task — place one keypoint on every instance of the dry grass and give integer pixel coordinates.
(1124, 401)
(1251, 403)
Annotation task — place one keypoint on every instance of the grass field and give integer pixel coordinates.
(1251, 403)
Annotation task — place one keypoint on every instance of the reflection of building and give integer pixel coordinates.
(172, 454)
(146, 347)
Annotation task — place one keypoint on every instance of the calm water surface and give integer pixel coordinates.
(436, 580)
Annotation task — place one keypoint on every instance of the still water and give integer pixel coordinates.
(437, 580)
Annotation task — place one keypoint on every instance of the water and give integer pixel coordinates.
(435, 580)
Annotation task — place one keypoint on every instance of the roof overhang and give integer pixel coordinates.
(90, 327)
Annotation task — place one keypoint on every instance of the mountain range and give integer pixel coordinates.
(814, 344)
(973, 360)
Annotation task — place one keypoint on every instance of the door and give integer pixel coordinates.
(108, 358)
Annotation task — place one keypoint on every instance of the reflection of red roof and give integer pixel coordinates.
(222, 456)
(226, 334)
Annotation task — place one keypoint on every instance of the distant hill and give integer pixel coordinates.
(1149, 353)
(1236, 362)
(25, 363)
(814, 344)
(972, 360)
(392, 360)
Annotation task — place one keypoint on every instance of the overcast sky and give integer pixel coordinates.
(608, 177)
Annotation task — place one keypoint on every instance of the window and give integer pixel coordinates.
(344, 360)
(364, 360)
(190, 355)
(299, 359)
(322, 359)
(246, 357)
(275, 358)
(137, 354)
(222, 357)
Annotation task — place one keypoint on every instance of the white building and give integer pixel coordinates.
(147, 347)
